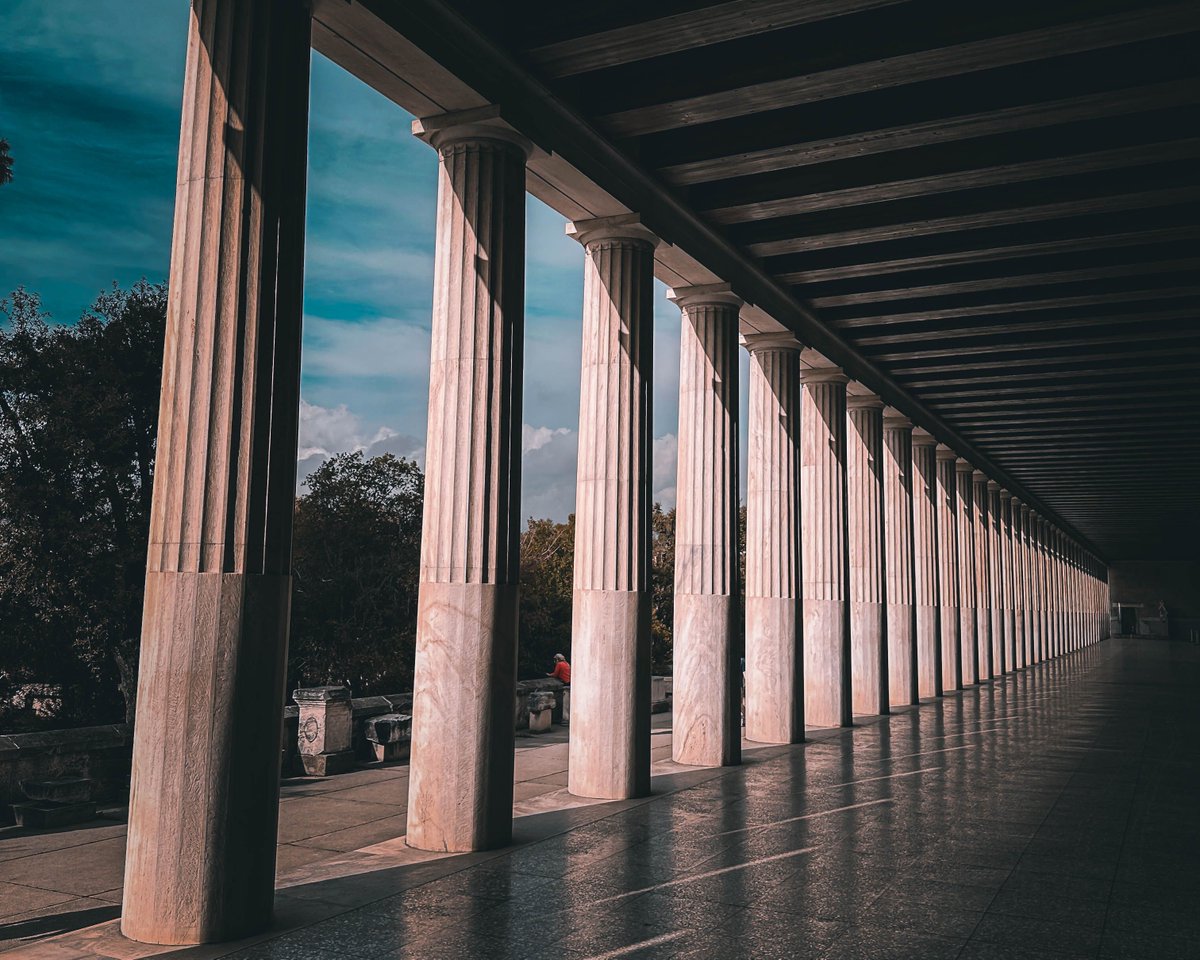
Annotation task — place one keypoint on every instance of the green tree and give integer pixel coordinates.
(78, 418)
(662, 588)
(547, 580)
(356, 561)
(6, 163)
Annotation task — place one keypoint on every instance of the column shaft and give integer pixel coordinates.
(610, 629)
(948, 578)
(1037, 593)
(925, 566)
(1009, 567)
(200, 860)
(824, 559)
(898, 560)
(983, 614)
(865, 543)
(1000, 665)
(774, 655)
(460, 787)
(1020, 582)
(964, 489)
(707, 695)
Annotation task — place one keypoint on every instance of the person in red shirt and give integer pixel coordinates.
(562, 669)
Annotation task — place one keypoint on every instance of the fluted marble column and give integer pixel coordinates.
(1000, 665)
(865, 543)
(948, 576)
(1009, 567)
(774, 655)
(610, 623)
(1019, 580)
(1035, 633)
(964, 490)
(1049, 600)
(824, 563)
(925, 565)
(1024, 582)
(460, 786)
(898, 559)
(707, 696)
(204, 804)
(983, 612)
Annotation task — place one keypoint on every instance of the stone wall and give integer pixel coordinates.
(1176, 583)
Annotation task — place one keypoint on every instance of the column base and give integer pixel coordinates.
(774, 671)
(826, 666)
(868, 679)
(929, 656)
(902, 656)
(706, 727)
(464, 700)
(610, 683)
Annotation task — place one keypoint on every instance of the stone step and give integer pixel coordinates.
(61, 790)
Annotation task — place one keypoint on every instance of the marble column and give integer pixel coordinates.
(1000, 664)
(204, 801)
(983, 601)
(460, 786)
(927, 589)
(948, 577)
(708, 681)
(1009, 568)
(865, 545)
(1036, 598)
(610, 623)
(824, 562)
(1024, 582)
(898, 559)
(964, 490)
(774, 655)
(1048, 626)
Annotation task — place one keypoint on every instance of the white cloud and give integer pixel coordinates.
(388, 347)
(326, 431)
(662, 481)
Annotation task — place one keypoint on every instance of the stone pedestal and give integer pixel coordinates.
(925, 565)
(774, 653)
(708, 679)
(824, 561)
(898, 560)
(541, 711)
(948, 574)
(610, 645)
(864, 506)
(326, 730)
(964, 489)
(204, 806)
(460, 785)
(983, 601)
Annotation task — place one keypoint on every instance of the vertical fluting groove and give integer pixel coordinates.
(948, 578)
(773, 475)
(983, 577)
(707, 500)
(473, 455)
(612, 538)
(823, 490)
(898, 510)
(996, 578)
(864, 472)
(925, 537)
(965, 511)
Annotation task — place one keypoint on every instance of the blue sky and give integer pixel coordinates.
(89, 101)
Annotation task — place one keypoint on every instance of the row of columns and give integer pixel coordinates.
(879, 568)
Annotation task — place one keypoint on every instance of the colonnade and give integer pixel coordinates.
(881, 569)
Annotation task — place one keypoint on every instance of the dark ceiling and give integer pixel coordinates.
(997, 205)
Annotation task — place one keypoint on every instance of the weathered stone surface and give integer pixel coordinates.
(706, 709)
(460, 785)
(389, 735)
(824, 563)
(205, 789)
(774, 654)
(610, 617)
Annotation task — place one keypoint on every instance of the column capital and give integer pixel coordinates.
(962, 465)
(979, 476)
(923, 438)
(624, 226)
(893, 419)
(993, 486)
(704, 294)
(478, 123)
(945, 453)
(864, 401)
(823, 375)
(764, 342)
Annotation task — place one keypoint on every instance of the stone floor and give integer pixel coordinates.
(1052, 814)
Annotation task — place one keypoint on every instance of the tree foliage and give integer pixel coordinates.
(356, 564)
(6, 163)
(78, 418)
